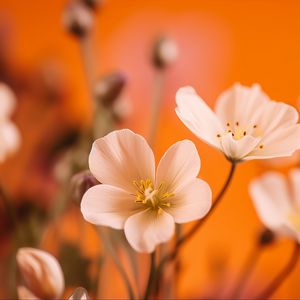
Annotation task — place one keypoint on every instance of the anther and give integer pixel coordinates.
(254, 126)
(218, 135)
(228, 124)
(261, 146)
(245, 133)
(237, 123)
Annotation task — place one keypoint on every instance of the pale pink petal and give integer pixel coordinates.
(25, 294)
(79, 294)
(41, 273)
(121, 157)
(279, 143)
(7, 101)
(180, 164)
(238, 149)
(271, 199)
(191, 202)
(10, 139)
(197, 116)
(108, 205)
(294, 176)
(146, 229)
(240, 104)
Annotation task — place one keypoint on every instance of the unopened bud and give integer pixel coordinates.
(165, 52)
(266, 237)
(121, 109)
(79, 294)
(41, 274)
(78, 19)
(109, 88)
(80, 183)
(93, 4)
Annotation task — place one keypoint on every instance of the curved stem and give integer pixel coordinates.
(285, 272)
(186, 237)
(246, 271)
(151, 278)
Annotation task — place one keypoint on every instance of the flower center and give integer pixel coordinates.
(147, 195)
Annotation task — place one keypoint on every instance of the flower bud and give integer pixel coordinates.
(165, 52)
(266, 237)
(81, 182)
(78, 19)
(109, 87)
(41, 274)
(121, 109)
(79, 294)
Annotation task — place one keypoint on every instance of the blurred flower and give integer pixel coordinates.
(165, 52)
(79, 294)
(247, 124)
(277, 203)
(109, 88)
(135, 198)
(41, 274)
(9, 134)
(81, 182)
(78, 19)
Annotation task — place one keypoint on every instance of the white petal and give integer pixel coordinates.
(146, 229)
(238, 149)
(240, 104)
(282, 142)
(271, 199)
(25, 294)
(79, 294)
(197, 116)
(191, 202)
(294, 176)
(180, 164)
(121, 157)
(108, 205)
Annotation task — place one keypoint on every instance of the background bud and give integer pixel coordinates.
(41, 273)
(78, 19)
(109, 88)
(165, 52)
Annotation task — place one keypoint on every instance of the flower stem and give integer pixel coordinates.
(156, 105)
(285, 272)
(247, 270)
(151, 278)
(184, 238)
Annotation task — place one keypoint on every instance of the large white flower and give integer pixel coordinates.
(139, 200)
(9, 134)
(277, 202)
(246, 124)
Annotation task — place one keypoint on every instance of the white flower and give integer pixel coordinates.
(246, 125)
(42, 276)
(277, 202)
(139, 200)
(9, 134)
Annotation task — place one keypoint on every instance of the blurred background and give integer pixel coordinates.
(219, 42)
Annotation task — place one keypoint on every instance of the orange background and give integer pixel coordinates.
(220, 42)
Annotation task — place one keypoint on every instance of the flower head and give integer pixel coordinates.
(41, 275)
(9, 134)
(277, 202)
(246, 123)
(139, 200)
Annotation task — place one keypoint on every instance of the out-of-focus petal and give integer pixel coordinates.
(191, 202)
(238, 149)
(79, 294)
(7, 101)
(25, 294)
(197, 116)
(121, 157)
(180, 164)
(108, 205)
(41, 273)
(294, 177)
(146, 229)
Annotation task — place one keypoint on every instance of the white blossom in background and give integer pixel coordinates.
(246, 124)
(9, 134)
(41, 275)
(277, 202)
(134, 197)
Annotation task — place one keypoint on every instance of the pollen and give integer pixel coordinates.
(147, 195)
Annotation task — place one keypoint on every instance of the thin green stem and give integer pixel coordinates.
(247, 270)
(280, 278)
(111, 250)
(151, 278)
(184, 238)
